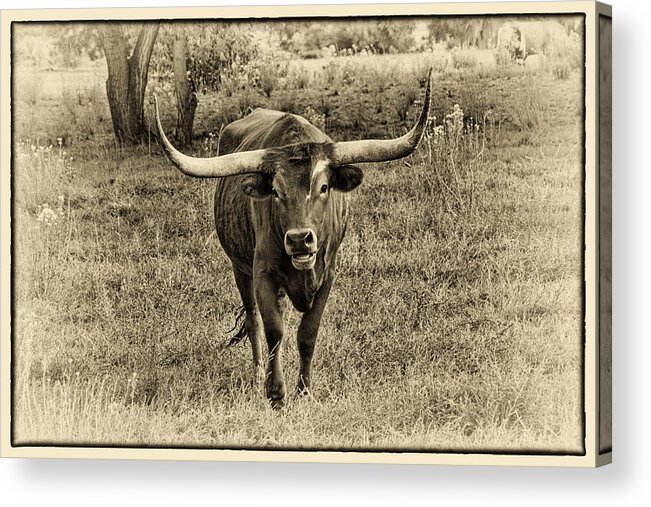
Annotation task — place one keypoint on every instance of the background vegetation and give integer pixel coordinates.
(455, 322)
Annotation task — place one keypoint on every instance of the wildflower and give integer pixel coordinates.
(49, 216)
(438, 135)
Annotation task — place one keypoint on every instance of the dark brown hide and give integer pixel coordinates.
(251, 232)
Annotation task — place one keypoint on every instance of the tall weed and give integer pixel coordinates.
(404, 103)
(462, 60)
(268, 78)
(526, 109)
(454, 150)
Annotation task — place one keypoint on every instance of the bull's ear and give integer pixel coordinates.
(257, 186)
(346, 178)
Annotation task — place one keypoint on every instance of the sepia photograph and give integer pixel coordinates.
(306, 233)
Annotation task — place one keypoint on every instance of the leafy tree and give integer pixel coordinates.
(216, 50)
(394, 34)
(302, 36)
(461, 31)
(71, 41)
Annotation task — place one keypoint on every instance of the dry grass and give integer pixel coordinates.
(449, 327)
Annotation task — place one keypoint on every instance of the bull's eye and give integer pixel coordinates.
(324, 189)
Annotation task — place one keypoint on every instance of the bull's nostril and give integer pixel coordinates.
(300, 239)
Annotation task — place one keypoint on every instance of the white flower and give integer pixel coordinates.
(47, 215)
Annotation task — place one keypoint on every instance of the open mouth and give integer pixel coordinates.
(304, 260)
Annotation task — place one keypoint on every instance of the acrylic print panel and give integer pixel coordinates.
(455, 322)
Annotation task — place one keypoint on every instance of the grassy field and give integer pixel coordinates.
(455, 321)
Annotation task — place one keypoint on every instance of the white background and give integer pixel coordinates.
(626, 482)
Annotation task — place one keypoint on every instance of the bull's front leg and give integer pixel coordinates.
(307, 334)
(266, 293)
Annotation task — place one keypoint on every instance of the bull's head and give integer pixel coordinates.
(300, 178)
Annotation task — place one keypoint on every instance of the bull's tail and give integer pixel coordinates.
(239, 328)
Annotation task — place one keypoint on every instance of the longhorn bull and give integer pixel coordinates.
(281, 210)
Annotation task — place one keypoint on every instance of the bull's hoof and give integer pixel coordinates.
(276, 395)
(277, 404)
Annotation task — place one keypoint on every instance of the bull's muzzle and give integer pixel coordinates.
(300, 245)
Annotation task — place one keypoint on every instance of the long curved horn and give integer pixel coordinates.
(381, 150)
(215, 167)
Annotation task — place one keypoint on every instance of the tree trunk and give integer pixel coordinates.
(117, 85)
(186, 98)
(127, 78)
